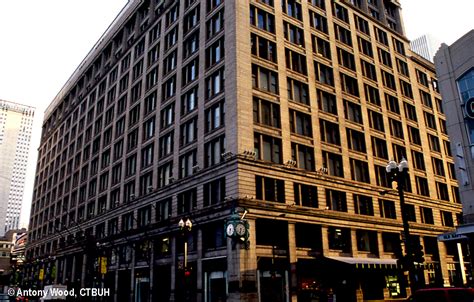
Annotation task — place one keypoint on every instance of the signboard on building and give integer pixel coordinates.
(451, 237)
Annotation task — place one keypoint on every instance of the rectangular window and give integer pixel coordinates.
(414, 134)
(329, 132)
(269, 189)
(426, 215)
(418, 160)
(368, 70)
(213, 4)
(266, 112)
(343, 35)
(189, 100)
(376, 121)
(318, 22)
(430, 120)
(191, 45)
(363, 205)
(300, 123)
(326, 102)
(262, 19)
(215, 53)
(349, 84)
(146, 183)
(442, 190)
(447, 219)
(406, 89)
(438, 166)
(171, 38)
(213, 151)
(165, 174)
(214, 192)
(387, 209)
(167, 116)
(264, 79)
(402, 67)
(321, 47)
(333, 163)
(356, 140)
(305, 195)
(339, 239)
(353, 112)
(388, 80)
(422, 186)
(362, 25)
(359, 170)
(396, 128)
(293, 34)
(187, 163)
(365, 47)
(263, 48)
(297, 91)
(215, 116)
(166, 144)
(381, 36)
(170, 63)
(336, 200)
(324, 74)
(392, 103)
(303, 156)
(147, 156)
(296, 61)
(293, 9)
(187, 201)
(215, 84)
(188, 132)
(163, 209)
(346, 59)
(340, 12)
(372, 94)
(190, 72)
(367, 241)
(215, 24)
(268, 148)
(191, 19)
(379, 147)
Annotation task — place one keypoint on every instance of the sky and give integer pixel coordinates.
(43, 42)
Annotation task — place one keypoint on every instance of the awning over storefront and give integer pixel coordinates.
(366, 263)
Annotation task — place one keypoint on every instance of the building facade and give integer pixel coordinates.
(278, 115)
(16, 122)
(454, 67)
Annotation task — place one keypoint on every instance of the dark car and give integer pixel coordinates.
(445, 294)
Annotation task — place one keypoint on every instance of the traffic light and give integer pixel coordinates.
(418, 254)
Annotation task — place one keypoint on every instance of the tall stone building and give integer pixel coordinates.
(276, 117)
(16, 122)
(454, 66)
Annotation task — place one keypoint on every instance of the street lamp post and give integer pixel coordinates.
(399, 172)
(185, 227)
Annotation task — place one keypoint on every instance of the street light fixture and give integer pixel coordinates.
(399, 172)
(185, 227)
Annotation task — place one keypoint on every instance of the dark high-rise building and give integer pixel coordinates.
(269, 125)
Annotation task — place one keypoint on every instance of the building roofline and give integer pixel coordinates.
(122, 16)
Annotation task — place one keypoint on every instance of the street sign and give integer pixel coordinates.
(450, 237)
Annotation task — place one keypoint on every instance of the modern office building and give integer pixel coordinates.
(277, 118)
(426, 46)
(455, 69)
(16, 122)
